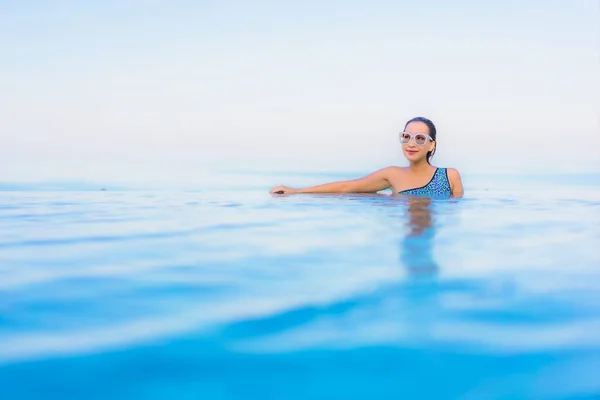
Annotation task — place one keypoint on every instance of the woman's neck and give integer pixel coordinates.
(420, 167)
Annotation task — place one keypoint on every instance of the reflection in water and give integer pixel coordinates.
(416, 247)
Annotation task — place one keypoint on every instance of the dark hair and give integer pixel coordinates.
(432, 132)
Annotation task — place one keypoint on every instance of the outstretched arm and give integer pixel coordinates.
(371, 183)
(455, 183)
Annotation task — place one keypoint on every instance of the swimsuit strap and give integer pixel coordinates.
(438, 186)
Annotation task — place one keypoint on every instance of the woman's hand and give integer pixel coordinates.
(283, 190)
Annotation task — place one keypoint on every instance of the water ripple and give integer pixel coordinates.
(219, 278)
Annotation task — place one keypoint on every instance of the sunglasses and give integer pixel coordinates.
(419, 138)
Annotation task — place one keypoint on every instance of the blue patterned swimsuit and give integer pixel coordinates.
(438, 186)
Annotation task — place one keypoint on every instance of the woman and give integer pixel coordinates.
(420, 178)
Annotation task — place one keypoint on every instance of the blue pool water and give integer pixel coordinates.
(224, 292)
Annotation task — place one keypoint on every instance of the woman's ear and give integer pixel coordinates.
(431, 145)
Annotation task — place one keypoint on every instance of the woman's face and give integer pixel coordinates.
(415, 148)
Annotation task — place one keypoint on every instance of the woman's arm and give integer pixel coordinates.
(455, 183)
(371, 183)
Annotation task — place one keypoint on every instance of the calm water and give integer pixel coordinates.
(229, 293)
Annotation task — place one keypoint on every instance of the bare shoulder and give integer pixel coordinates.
(394, 170)
(455, 182)
(453, 173)
(387, 172)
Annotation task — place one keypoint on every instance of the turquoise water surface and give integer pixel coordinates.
(225, 292)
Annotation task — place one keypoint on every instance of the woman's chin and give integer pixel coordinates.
(412, 157)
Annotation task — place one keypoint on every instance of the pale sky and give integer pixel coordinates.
(113, 89)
